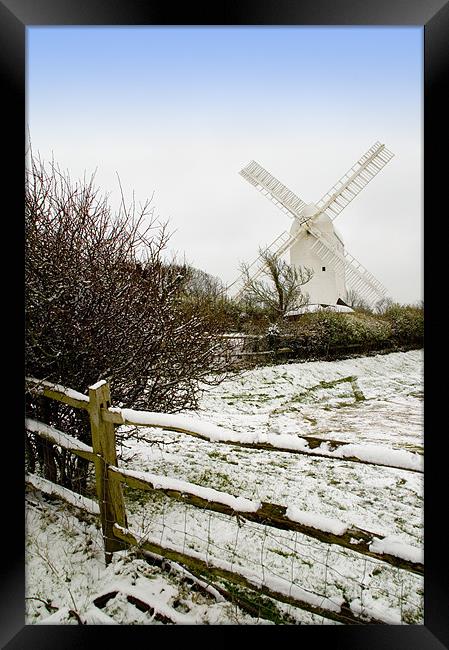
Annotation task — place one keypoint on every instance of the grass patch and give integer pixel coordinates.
(308, 394)
(258, 605)
(217, 455)
(216, 480)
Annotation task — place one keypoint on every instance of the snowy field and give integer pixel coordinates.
(374, 400)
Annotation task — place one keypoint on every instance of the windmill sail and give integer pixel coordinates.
(274, 190)
(353, 182)
(356, 275)
(331, 204)
(256, 268)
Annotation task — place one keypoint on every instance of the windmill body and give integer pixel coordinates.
(313, 240)
(328, 284)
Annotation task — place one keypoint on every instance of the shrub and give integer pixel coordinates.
(323, 332)
(102, 304)
(407, 323)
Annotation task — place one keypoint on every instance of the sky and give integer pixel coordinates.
(176, 112)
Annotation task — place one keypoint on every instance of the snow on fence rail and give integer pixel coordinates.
(111, 506)
(309, 445)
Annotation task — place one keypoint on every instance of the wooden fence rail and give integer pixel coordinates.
(278, 589)
(109, 476)
(305, 445)
(109, 479)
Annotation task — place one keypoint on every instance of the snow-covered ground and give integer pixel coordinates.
(366, 401)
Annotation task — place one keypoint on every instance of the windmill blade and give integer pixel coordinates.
(274, 190)
(353, 182)
(256, 268)
(357, 277)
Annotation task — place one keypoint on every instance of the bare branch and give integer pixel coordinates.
(101, 303)
(281, 289)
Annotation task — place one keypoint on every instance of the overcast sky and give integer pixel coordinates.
(179, 111)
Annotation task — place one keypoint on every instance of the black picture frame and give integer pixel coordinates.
(433, 15)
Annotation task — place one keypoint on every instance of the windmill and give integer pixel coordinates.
(313, 241)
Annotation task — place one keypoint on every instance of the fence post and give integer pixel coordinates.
(109, 490)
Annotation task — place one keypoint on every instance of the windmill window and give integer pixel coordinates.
(323, 268)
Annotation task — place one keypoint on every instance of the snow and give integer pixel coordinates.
(394, 546)
(310, 309)
(205, 585)
(382, 456)
(74, 394)
(65, 571)
(369, 453)
(239, 504)
(328, 524)
(61, 616)
(56, 436)
(276, 584)
(158, 607)
(94, 616)
(317, 398)
(98, 385)
(57, 490)
(176, 422)
(376, 612)
(279, 403)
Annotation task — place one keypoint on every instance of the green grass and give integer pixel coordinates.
(259, 604)
(309, 394)
(213, 479)
(217, 455)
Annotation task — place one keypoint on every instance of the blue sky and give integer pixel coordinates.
(178, 111)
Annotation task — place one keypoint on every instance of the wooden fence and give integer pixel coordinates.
(254, 349)
(111, 505)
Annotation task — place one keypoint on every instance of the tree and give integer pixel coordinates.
(356, 301)
(281, 290)
(383, 305)
(205, 294)
(101, 303)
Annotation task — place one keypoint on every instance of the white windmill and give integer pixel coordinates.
(313, 240)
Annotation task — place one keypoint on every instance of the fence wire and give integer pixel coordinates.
(369, 587)
(380, 591)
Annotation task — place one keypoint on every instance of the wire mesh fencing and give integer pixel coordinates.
(286, 562)
(284, 576)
